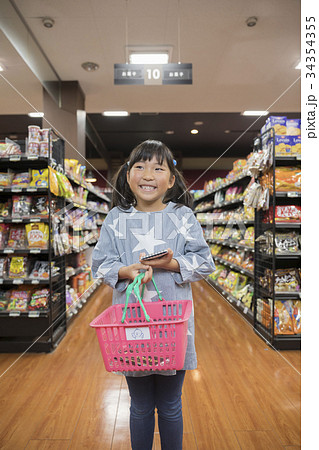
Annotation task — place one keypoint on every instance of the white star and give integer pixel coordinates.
(114, 227)
(189, 333)
(147, 241)
(148, 295)
(191, 267)
(184, 229)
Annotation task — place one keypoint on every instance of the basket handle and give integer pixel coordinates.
(135, 286)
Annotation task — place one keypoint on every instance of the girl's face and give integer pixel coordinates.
(149, 182)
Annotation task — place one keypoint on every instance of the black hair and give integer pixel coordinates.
(124, 198)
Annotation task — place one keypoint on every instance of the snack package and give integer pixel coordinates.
(293, 127)
(287, 243)
(283, 317)
(19, 300)
(37, 235)
(12, 148)
(54, 185)
(44, 149)
(18, 267)
(33, 148)
(5, 179)
(21, 180)
(282, 146)
(285, 213)
(3, 265)
(231, 281)
(5, 208)
(34, 133)
(295, 145)
(39, 178)
(40, 206)
(287, 280)
(297, 316)
(288, 179)
(21, 206)
(39, 300)
(4, 231)
(17, 236)
(40, 270)
(279, 123)
(4, 300)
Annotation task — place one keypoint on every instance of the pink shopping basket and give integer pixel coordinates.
(137, 336)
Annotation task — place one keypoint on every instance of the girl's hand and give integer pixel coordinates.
(133, 270)
(164, 262)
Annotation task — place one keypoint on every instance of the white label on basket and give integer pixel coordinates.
(137, 334)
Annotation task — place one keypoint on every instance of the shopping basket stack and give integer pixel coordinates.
(138, 336)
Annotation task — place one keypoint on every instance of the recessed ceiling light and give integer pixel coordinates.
(227, 131)
(169, 132)
(115, 113)
(1, 68)
(48, 22)
(255, 113)
(148, 58)
(90, 66)
(36, 114)
(198, 123)
(90, 178)
(298, 66)
(194, 131)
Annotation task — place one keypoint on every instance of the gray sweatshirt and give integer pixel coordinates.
(127, 233)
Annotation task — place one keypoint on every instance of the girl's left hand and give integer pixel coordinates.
(164, 262)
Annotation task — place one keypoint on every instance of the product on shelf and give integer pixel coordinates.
(9, 148)
(3, 266)
(4, 300)
(284, 214)
(39, 300)
(17, 237)
(40, 270)
(37, 235)
(21, 206)
(286, 280)
(5, 208)
(21, 180)
(39, 178)
(249, 237)
(40, 206)
(288, 179)
(263, 313)
(283, 317)
(19, 300)
(4, 230)
(285, 243)
(17, 267)
(5, 179)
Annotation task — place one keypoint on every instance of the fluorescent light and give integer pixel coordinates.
(115, 113)
(255, 113)
(148, 58)
(194, 131)
(1, 68)
(36, 114)
(298, 66)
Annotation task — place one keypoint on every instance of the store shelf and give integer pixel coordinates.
(90, 190)
(23, 251)
(27, 190)
(220, 205)
(227, 222)
(33, 281)
(237, 304)
(234, 266)
(279, 342)
(296, 225)
(25, 220)
(279, 295)
(231, 244)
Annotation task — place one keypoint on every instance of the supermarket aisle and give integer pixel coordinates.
(243, 395)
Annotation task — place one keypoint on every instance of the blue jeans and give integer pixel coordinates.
(164, 393)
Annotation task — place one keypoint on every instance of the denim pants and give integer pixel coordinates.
(164, 393)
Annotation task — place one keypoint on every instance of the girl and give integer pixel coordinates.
(151, 212)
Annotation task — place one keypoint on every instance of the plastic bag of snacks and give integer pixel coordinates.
(288, 179)
(5, 208)
(37, 235)
(40, 270)
(4, 300)
(283, 317)
(19, 300)
(54, 185)
(4, 230)
(21, 180)
(40, 206)
(5, 179)
(39, 178)
(297, 316)
(39, 300)
(18, 267)
(16, 237)
(21, 206)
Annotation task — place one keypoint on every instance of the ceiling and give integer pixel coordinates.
(235, 67)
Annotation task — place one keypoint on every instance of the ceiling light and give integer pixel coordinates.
(1, 68)
(115, 113)
(169, 132)
(227, 131)
(198, 123)
(194, 131)
(298, 66)
(90, 178)
(148, 58)
(90, 66)
(251, 21)
(48, 22)
(36, 114)
(255, 113)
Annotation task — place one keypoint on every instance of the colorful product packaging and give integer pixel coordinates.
(293, 127)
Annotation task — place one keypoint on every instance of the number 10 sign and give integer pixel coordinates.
(153, 74)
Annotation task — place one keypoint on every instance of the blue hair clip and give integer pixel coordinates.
(174, 162)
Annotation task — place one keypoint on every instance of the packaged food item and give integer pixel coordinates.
(39, 178)
(44, 149)
(282, 146)
(21, 206)
(295, 145)
(54, 185)
(287, 280)
(231, 282)
(34, 133)
(37, 235)
(12, 148)
(288, 179)
(17, 237)
(287, 243)
(283, 317)
(4, 231)
(19, 300)
(5, 208)
(21, 180)
(293, 127)
(40, 270)
(39, 300)
(5, 179)
(40, 206)
(3, 265)
(18, 267)
(285, 213)
(297, 316)
(278, 123)
(33, 148)
(4, 300)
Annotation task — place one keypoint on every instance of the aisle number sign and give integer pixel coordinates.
(153, 74)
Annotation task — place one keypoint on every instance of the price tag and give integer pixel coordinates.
(8, 250)
(35, 251)
(298, 158)
(17, 282)
(1, 280)
(33, 314)
(245, 310)
(15, 158)
(35, 282)
(292, 194)
(16, 189)
(35, 220)
(32, 157)
(16, 220)
(14, 313)
(230, 299)
(242, 272)
(31, 189)
(238, 303)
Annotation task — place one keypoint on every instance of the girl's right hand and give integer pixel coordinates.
(133, 270)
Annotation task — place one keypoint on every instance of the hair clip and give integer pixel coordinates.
(174, 162)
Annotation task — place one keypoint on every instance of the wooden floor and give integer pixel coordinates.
(243, 395)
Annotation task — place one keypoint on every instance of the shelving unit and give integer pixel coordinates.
(208, 216)
(269, 259)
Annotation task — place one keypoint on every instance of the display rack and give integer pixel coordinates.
(208, 208)
(41, 329)
(274, 253)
